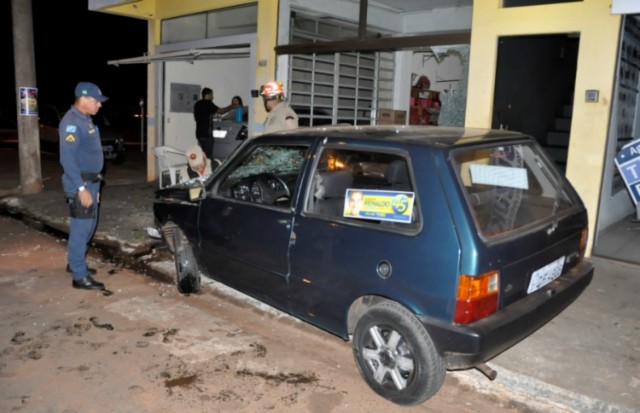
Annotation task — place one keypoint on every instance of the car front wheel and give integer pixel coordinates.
(396, 356)
(187, 272)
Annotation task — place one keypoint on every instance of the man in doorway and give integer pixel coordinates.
(279, 115)
(203, 112)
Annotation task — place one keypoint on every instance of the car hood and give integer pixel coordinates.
(182, 191)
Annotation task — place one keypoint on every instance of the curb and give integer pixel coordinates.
(535, 394)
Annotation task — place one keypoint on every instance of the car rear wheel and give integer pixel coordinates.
(396, 356)
(187, 272)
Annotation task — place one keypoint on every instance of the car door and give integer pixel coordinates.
(245, 234)
(343, 250)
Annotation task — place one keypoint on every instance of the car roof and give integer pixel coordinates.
(425, 135)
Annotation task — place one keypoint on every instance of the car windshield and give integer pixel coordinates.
(510, 186)
(280, 159)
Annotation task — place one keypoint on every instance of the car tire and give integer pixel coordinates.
(187, 272)
(396, 356)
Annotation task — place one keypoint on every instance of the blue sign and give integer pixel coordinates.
(628, 163)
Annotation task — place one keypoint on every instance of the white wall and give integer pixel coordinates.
(402, 84)
(444, 75)
(227, 78)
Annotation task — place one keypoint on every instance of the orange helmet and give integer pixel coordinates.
(272, 90)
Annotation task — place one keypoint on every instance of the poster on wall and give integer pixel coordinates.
(28, 101)
(628, 162)
(183, 97)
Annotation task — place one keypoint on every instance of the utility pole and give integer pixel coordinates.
(26, 97)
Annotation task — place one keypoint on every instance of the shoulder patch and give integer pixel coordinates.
(70, 138)
(71, 128)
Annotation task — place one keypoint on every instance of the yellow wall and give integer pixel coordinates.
(156, 10)
(163, 9)
(599, 34)
(267, 29)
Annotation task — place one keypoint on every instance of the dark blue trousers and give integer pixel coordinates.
(81, 231)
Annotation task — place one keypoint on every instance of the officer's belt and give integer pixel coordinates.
(91, 176)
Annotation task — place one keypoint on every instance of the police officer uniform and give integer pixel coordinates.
(82, 160)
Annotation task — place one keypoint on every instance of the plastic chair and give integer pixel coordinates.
(171, 161)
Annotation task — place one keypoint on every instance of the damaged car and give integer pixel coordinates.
(429, 248)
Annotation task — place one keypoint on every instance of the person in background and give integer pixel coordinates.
(199, 164)
(236, 101)
(279, 115)
(82, 161)
(239, 106)
(203, 112)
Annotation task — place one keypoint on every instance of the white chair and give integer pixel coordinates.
(171, 160)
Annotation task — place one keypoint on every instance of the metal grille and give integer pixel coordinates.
(336, 88)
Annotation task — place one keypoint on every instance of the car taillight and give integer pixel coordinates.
(477, 297)
(584, 235)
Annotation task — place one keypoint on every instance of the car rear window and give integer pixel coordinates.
(510, 186)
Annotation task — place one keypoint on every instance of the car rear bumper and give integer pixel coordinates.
(464, 346)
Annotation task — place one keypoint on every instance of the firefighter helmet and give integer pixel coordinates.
(272, 90)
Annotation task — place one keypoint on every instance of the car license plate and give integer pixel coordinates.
(545, 275)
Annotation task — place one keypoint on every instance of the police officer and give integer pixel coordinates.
(82, 160)
(279, 115)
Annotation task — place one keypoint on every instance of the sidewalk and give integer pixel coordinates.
(585, 360)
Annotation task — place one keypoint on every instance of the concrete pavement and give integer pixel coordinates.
(585, 360)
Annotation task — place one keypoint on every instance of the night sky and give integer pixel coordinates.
(73, 44)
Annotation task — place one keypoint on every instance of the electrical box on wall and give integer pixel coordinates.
(591, 95)
(183, 97)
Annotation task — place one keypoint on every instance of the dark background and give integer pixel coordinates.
(73, 44)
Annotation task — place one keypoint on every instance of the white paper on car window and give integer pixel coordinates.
(499, 176)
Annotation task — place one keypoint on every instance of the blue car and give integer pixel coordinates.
(429, 248)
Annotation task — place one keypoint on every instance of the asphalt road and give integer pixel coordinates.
(146, 348)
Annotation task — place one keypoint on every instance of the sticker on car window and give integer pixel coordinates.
(499, 176)
(392, 206)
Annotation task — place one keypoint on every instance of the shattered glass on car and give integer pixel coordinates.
(271, 159)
